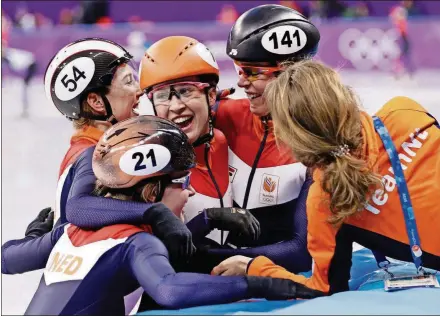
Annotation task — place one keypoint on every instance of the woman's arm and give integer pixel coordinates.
(88, 211)
(30, 253)
(291, 254)
(149, 265)
(321, 243)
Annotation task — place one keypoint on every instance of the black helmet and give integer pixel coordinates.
(84, 66)
(141, 148)
(272, 33)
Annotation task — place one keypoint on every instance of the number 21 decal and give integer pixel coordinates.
(284, 39)
(146, 159)
(140, 157)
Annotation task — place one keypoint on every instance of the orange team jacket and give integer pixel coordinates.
(380, 226)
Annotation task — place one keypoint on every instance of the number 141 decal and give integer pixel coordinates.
(284, 39)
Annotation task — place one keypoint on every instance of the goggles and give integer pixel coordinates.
(185, 91)
(252, 73)
(152, 192)
(185, 180)
(130, 75)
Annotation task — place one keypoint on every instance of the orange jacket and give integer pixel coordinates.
(81, 140)
(381, 225)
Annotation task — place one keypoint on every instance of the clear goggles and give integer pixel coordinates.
(124, 70)
(185, 181)
(253, 73)
(185, 91)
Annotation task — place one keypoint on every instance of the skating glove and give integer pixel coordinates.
(279, 289)
(233, 219)
(41, 225)
(171, 231)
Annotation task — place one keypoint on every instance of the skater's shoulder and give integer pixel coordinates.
(234, 106)
(399, 104)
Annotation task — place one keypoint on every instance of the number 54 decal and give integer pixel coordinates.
(77, 75)
(284, 39)
(74, 78)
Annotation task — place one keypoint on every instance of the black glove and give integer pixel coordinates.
(234, 219)
(171, 231)
(279, 289)
(40, 225)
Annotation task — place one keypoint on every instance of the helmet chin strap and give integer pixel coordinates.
(108, 109)
(109, 117)
(206, 138)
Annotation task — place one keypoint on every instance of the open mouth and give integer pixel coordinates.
(183, 122)
(252, 96)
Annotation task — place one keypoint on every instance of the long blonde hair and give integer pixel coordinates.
(318, 117)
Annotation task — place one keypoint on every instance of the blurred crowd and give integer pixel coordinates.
(98, 12)
(86, 12)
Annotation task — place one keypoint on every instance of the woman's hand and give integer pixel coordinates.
(175, 198)
(168, 226)
(236, 220)
(234, 266)
(41, 225)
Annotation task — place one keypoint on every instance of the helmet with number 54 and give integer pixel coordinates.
(93, 79)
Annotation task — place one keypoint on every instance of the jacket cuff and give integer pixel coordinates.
(253, 267)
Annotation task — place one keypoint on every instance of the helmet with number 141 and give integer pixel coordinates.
(262, 39)
(271, 34)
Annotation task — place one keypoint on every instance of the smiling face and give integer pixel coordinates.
(253, 79)
(254, 92)
(124, 93)
(185, 103)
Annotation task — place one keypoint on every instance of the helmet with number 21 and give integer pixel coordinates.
(141, 148)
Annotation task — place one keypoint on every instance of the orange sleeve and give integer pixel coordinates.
(321, 243)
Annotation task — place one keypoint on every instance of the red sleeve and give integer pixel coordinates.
(221, 115)
(229, 114)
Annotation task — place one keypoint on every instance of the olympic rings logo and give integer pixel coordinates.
(373, 48)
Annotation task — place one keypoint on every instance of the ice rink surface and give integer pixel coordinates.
(32, 150)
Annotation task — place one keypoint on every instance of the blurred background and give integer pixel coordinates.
(382, 48)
